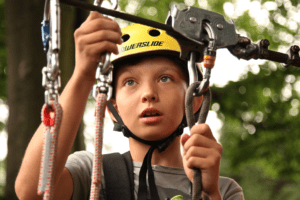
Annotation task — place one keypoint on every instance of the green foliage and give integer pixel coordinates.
(260, 116)
(2, 177)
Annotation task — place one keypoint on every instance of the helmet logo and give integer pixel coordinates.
(141, 44)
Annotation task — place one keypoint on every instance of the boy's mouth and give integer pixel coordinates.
(150, 112)
(151, 116)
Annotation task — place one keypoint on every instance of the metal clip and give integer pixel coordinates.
(104, 76)
(50, 35)
(104, 72)
(114, 5)
(51, 87)
(209, 59)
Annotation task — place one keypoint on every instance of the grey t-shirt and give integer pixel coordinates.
(169, 181)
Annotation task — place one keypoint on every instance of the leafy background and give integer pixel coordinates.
(259, 112)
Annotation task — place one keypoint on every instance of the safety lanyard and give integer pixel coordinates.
(51, 111)
(102, 92)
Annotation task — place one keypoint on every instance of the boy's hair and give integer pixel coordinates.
(139, 58)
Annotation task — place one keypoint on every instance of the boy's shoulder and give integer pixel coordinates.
(229, 187)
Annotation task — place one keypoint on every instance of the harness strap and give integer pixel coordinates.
(118, 175)
(146, 166)
(129, 164)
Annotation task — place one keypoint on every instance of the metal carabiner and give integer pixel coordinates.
(105, 59)
(104, 69)
(113, 7)
(51, 41)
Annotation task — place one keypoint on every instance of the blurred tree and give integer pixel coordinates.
(3, 62)
(26, 59)
(2, 84)
(71, 19)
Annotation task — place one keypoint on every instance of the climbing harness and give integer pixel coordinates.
(199, 34)
(51, 111)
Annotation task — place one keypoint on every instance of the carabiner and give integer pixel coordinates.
(104, 69)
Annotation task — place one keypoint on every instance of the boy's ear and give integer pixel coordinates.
(113, 101)
(197, 103)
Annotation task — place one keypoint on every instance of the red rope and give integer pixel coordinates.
(97, 167)
(51, 129)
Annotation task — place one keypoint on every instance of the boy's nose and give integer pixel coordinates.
(149, 95)
(148, 98)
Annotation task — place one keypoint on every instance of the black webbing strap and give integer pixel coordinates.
(117, 14)
(118, 175)
(129, 164)
(146, 166)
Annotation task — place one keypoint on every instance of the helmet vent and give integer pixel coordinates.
(125, 37)
(154, 32)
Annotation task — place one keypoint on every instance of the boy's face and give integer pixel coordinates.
(150, 97)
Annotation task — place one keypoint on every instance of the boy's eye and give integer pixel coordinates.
(165, 79)
(130, 83)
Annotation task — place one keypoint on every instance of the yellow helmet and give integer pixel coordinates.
(141, 39)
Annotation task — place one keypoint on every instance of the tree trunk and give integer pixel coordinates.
(25, 61)
(25, 93)
(71, 19)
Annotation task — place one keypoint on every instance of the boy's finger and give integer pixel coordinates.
(199, 140)
(184, 138)
(99, 24)
(96, 49)
(100, 36)
(204, 130)
(94, 15)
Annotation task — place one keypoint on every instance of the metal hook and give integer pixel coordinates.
(104, 63)
(192, 68)
(211, 51)
(51, 42)
(104, 68)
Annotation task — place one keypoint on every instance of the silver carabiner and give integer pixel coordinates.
(105, 59)
(104, 69)
(113, 7)
(51, 41)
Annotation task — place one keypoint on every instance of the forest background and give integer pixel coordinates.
(259, 111)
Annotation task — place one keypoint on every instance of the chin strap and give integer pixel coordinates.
(161, 145)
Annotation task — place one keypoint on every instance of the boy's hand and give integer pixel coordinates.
(95, 36)
(202, 151)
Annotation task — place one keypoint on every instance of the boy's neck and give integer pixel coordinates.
(171, 157)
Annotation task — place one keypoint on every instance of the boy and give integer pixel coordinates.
(149, 97)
